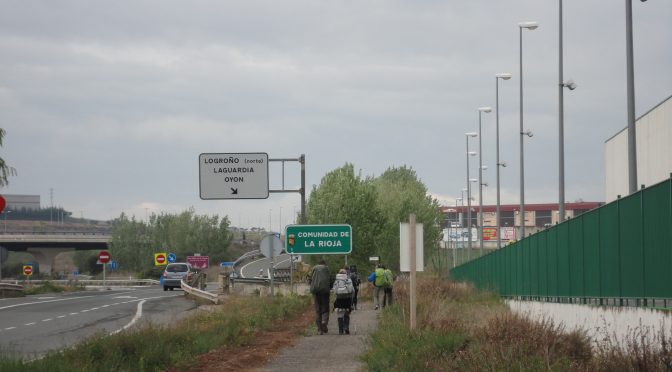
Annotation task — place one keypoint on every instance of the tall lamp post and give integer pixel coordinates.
(632, 137)
(561, 120)
(469, 153)
(503, 76)
(528, 26)
(480, 176)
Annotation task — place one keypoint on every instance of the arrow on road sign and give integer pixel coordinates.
(234, 191)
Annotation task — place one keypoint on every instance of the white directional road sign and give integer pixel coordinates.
(233, 176)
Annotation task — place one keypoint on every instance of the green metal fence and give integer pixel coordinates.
(622, 250)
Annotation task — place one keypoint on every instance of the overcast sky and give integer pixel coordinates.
(110, 103)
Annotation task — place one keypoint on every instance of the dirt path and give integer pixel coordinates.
(295, 346)
(330, 352)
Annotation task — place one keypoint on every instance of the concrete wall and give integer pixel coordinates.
(654, 152)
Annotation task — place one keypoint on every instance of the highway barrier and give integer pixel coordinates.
(619, 253)
(212, 297)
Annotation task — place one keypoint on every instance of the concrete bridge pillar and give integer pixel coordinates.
(45, 257)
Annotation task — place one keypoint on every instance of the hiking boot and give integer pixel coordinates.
(346, 324)
(340, 326)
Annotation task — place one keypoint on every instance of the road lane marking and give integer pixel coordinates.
(30, 324)
(94, 308)
(83, 311)
(138, 314)
(74, 313)
(42, 302)
(61, 316)
(105, 305)
(47, 320)
(9, 328)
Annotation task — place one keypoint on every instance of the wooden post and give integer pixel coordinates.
(411, 227)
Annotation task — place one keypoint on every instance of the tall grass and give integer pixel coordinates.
(461, 329)
(156, 348)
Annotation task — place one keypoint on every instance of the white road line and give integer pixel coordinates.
(95, 308)
(105, 305)
(74, 313)
(137, 316)
(61, 316)
(29, 324)
(42, 302)
(83, 311)
(47, 320)
(9, 328)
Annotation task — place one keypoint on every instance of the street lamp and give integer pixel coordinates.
(469, 180)
(528, 26)
(561, 120)
(503, 76)
(480, 174)
(632, 136)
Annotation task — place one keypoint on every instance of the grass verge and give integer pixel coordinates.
(461, 329)
(157, 348)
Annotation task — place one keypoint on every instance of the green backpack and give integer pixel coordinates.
(387, 278)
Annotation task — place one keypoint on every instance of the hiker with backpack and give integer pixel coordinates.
(344, 291)
(320, 287)
(377, 278)
(388, 280)
(354, 277)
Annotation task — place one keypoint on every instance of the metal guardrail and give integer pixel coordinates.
(10, 287)
(199, 293)
(246, 255)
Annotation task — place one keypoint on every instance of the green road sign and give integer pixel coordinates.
(318, 239)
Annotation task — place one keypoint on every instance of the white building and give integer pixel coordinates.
(19, 202)
(654, 152)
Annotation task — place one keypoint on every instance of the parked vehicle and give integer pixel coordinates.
(175, 273)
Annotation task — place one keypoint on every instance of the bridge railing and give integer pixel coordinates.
(622, 250)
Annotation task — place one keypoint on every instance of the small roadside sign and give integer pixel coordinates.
(27, 270)
(160, 259)
(226, 264)
(233, 176)
(113, 265)
(318, 239)
(374, 259)
(199, 262)
(104, 257)
(172, 258)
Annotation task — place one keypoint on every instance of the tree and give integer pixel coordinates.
(345, 198)
(5, 170)
(134, 242)
(401, 193)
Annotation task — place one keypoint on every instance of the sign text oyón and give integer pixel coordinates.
(233, 175)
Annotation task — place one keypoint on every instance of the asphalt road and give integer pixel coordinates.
(33, 325)
(251, 269)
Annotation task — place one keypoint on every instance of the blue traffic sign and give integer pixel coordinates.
(225, 264)
(113, 265)
(172, 257)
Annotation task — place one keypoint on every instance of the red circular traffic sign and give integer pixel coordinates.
(161, 259)
(104, 257)
(3, 203)
(27, 270)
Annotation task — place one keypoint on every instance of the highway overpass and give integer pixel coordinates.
(46, 246)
